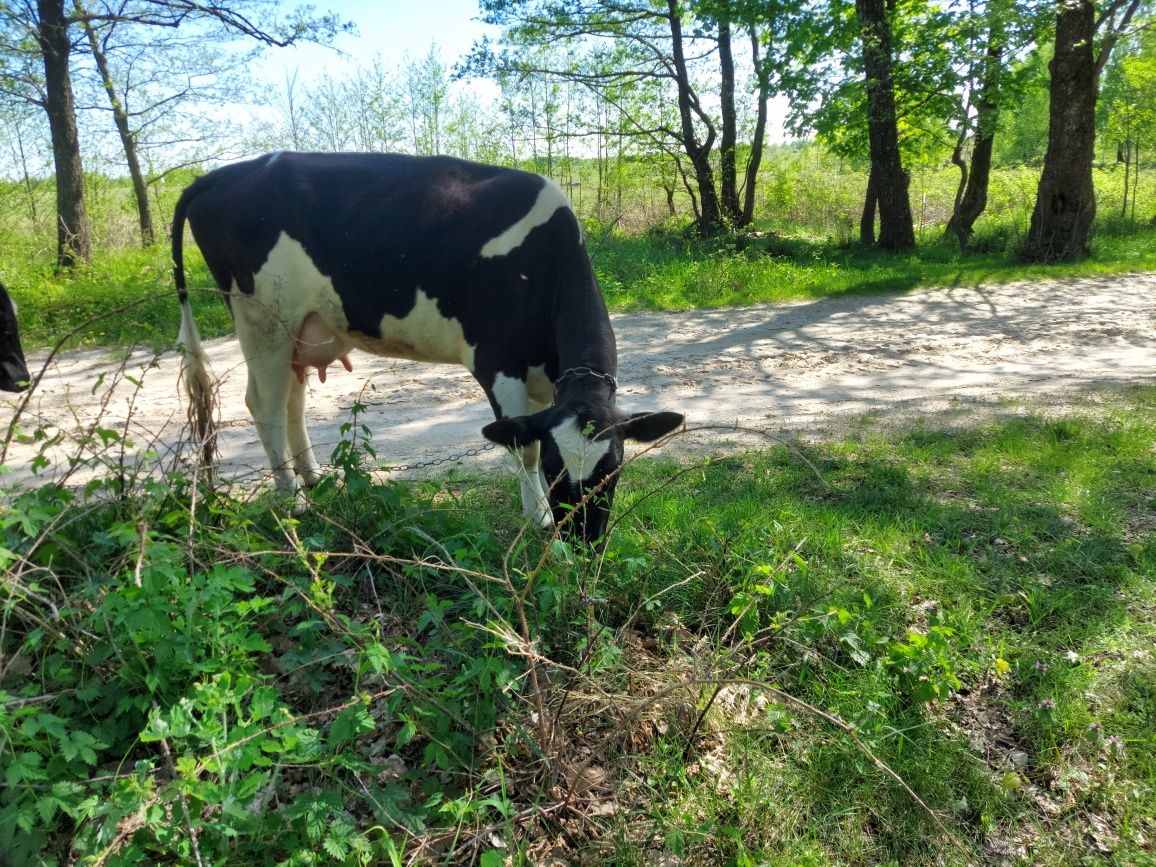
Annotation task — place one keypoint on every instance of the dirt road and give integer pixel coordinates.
(809, 367)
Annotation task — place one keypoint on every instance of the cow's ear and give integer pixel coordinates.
(513, 432)
(646, 427)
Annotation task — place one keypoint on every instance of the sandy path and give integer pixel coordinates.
(809, 367)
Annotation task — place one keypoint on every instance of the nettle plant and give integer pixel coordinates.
(772, 599)
(188, 676)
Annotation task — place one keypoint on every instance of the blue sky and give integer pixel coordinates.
(397, 28)
(391, 28)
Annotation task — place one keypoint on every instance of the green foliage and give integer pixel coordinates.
(172, 704)
(190, 676)
(801, 248)
(929, 582)
(1023, 135)
(830, 98)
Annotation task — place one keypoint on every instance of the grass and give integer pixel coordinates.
(802, 250)
(126, 299)
(977, 606)
(666, 272)
(122, 300)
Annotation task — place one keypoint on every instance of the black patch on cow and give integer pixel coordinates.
(381, 226)
(13, 367)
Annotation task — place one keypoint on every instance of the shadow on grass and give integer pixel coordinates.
(1030, 536)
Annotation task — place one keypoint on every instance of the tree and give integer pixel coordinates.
(49, 23)
(425, 94)
(382, 108)
(654, 46)
(24, 135)
(1128, 109)
(727, 16)
(997, 33)
(873, 80)
(73, 233)
(888, 181)
(149, 78)
(1065, 200)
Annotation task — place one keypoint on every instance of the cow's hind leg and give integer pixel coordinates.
(268, 353)
(304, 460)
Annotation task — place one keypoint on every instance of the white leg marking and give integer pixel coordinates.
(267, 324)
(304, 460)
(550, 199)
(513, 400)
(580, 454)
(267, 397)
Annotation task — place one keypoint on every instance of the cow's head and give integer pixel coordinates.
(582, 439)
(13, 368)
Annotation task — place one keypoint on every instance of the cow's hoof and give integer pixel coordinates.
(292, 498)
(541, 517)
(312, 478)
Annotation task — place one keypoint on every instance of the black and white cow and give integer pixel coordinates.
(427, 258)
(13, 367)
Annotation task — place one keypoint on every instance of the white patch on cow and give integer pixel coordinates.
(289, 287)
(510, 395)
(540, 388)
(550, 199)
(288, 290)
(580, 454)
(424, 334)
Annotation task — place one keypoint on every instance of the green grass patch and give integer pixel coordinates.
(123, 299)
(126, 298)
(666, 271)
(769, 640)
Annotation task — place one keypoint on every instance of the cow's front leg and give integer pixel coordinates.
(304, 460)
(535, 504)
(267, 397)
(510, 399)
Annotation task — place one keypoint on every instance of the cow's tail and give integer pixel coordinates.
(195, 370)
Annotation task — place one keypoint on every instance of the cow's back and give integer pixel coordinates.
(384, 227)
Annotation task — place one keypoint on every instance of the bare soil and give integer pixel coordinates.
(811, 368)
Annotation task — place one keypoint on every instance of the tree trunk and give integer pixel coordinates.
(867, 218)
(1065, 202)
(728, 136)
(127, 139)
(1135, 176)
(896, 226)
(709, 215)
(959, 162)
(974, 184)
(756, 159)
(73, 234)
(974, 200)
(1127, 172)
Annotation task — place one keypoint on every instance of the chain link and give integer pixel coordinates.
(446, 459)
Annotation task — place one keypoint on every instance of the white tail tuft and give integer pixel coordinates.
(198, 378)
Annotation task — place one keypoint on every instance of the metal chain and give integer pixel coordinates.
(447, 459)
(579, 372)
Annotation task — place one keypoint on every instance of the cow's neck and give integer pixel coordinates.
(582, 331)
